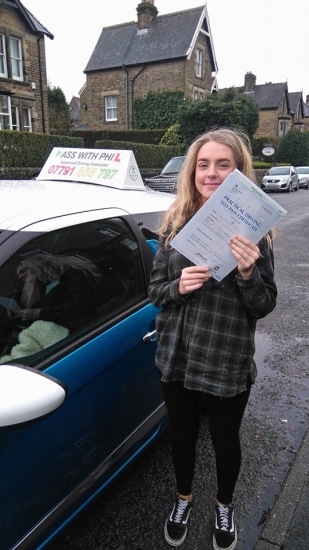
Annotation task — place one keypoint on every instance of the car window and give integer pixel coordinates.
(64, 283)
(173, 166)
(279, 171)
(304, 170)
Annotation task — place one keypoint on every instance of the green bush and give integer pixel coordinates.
(259, 164)
(172, 136)
(147, 156)
(26, 149)
(157, 109)
(294, 147)
(134, 136)
(197, 117)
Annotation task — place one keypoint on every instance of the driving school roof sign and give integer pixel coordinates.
(111, 167)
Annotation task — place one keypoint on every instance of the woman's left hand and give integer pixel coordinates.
(246, 253)
(29, 314)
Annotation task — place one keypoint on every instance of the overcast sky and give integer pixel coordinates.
(270, 38)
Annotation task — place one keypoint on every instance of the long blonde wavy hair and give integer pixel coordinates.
(188, 199)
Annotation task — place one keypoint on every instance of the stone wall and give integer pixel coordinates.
(28, 92)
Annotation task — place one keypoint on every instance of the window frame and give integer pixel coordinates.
(26, 127)
(15, 125)
(4, 74)
(6, 114)
(18, 60)
(282, 128)
(199, 63)
(109, 108)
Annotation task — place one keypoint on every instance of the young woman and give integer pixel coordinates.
(205, 333)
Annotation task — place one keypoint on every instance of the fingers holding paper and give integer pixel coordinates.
(246, 253)
(193, 278)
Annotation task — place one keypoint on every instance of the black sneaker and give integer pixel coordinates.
(175, 528)
(225, 536)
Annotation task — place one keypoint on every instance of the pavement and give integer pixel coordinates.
(287, 524)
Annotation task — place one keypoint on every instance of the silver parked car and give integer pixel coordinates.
(280, 178)
(303, 176)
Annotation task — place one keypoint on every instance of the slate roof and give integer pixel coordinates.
(306, 110)
(268, 96)
(169, 37)
(296, 99)
(32, 21)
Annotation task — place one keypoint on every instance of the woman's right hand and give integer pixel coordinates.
(193, 278)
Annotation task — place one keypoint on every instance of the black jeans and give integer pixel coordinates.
(225, 416)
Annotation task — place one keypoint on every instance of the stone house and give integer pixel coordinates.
(155, 53)
(23, 80)
(297, 110)
(279, 109)
(274, 106)
(306, 114)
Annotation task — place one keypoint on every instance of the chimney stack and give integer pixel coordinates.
(250, 80)
(146, 12)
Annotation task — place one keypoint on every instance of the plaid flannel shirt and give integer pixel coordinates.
(206, 339)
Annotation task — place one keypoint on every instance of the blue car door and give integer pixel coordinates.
(95, 332)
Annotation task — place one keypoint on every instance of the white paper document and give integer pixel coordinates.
(238, 207)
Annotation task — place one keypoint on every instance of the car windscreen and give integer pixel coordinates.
(173, 166)
(303, 170)
(279, 171)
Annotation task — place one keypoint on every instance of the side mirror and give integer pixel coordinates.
(27, 394)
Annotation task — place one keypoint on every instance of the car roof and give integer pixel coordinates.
(24, 202)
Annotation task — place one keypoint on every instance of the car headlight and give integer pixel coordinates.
(284, 180)
(303, 180)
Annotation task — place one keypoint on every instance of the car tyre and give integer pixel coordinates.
(289, 189)
(297, 186)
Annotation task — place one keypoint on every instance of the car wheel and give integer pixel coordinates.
(289, 189)
(297, 186)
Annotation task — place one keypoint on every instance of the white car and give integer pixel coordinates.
(303, 176)
(280, 178)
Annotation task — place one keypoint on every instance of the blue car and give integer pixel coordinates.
(80, 393)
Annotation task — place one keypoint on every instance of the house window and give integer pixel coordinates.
(282, 128)
(199, 62)
(16, 58)
(282, 105)
(27, 127)
(111, 107)
(15, 118)
(195, 95)
(3, 63)
(5, 123)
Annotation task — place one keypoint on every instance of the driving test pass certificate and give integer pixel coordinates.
(237, 207)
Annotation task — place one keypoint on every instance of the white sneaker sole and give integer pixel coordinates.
(231, 547)
(173, 542)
